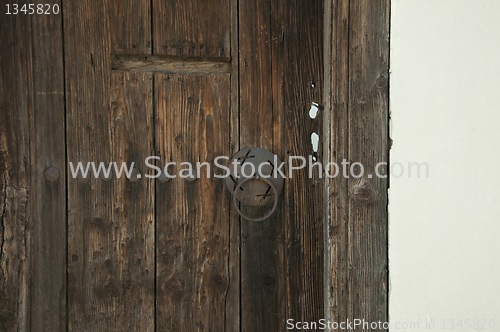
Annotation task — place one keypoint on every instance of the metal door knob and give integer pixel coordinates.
(253, 180)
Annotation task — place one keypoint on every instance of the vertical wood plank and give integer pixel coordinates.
(304, 212)
(256, 92)
(14, 172)
(263, 279)
(193, 230)
(358, 230)
(48, 229)
(338, 193)
(281, 54)
(197, 238)
(110, 222)
(130, 27)
(192, 28)
(233, 313)
(368, 144)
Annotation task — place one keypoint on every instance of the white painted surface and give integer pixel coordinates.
(444, 231)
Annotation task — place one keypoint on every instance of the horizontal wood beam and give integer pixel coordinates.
(170, 64)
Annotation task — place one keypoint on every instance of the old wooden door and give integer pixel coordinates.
(187, 81)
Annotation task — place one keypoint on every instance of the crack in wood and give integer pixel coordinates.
(2, 224)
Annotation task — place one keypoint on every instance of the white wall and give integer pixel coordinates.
(444, 231)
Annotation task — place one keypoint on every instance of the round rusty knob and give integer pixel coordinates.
(190, 178)
(235, 200)
(254, 179)
(52, 174)
(135, 175)
(250, 163)
(104, 177)
(163, 178)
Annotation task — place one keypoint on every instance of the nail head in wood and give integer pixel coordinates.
(104, 177)
(51, 174)
(190, 178)
(163, 178)
(135, 175)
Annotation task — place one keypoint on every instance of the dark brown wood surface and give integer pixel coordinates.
(192, 28)
(337, 268)
(281, 74)
(111, 223)
(303, 65)
(48, 230)
(233, 300)
(119, 81)
(15, 173)
(33, 244)
(196, 280)
(358, 273)
(193, 231)
(263, 279)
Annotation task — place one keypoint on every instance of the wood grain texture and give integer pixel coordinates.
(281, 53)
(15, 172)
(302, 85)
(170, 64)
(263, 278)
(358, 230)
(130, 26)
(337, 268)
(193, 230)
(175, 256)
(368, 144)
(48, 198)
(233, 304)
(192, 28)
(110, 222)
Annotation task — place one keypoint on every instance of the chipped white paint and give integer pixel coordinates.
(315, 141)
(313, 111)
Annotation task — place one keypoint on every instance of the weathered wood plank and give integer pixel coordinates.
(15, 172)
(192, 28)
(110, 222)
(48, 197)
(198, 284)
(170, 64)
(193, 229)
(337, 94)
(281, 74)
(263, 277)
(133, 204)
(233, 313)
(304, 211)
(359, 118)
(368, 144)
(130, 26)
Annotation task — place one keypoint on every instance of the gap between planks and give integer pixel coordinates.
(169, 64)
